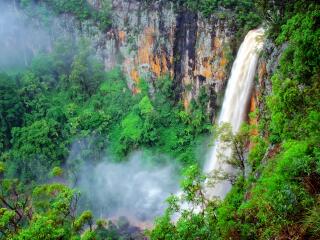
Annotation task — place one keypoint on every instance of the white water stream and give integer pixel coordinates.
(235, 103)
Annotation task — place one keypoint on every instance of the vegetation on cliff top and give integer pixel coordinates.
(80, 9)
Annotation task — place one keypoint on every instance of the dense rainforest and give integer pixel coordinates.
(61, 110)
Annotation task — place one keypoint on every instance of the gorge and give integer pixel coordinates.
(109, 108)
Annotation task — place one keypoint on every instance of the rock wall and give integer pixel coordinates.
(267, 66)
(150, 39)
(159, 38)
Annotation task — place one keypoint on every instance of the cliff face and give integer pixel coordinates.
(267, 66)
(152, 40)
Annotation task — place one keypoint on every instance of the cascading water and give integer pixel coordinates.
(235, 104)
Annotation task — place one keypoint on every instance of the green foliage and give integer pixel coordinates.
(233, 148)
(51, 106)
(158, 122)
(257, 153)
(66, 95)
(312, 221)
(80, 9)
(35, 148)
(132, 127)
(274, 14)
(56, 172)
(192, 185)
(6, 217)
(86, 74)
(197, 220)
(279, 195)
(294, 105)
(285, 197)
(145, 105)
(282, 190)
(42, 212)
(42, 228)
(302, 53)
(88, 235)
(11, 109)
(2, 167)
(84, 218)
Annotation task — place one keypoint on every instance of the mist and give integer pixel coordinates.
(136, 187)
(20, 38)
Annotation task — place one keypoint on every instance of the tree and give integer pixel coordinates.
(86, 74)
(11, 109)
(195, 211)
(45, 212)
(36, 148)
(15, 207)
(234, 147)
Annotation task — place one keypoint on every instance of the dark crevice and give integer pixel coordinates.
(184, 48)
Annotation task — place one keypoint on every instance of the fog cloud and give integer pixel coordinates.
(135, 188)
(20, 38)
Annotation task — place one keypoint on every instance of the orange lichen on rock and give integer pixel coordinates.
(262, 71)
(158, 63)
(215, 65)
(144, 59)
(145, 48)
(155, 66)
(171, 64)
(171, 60)
(220, 75)
(135, 76)
(206, 68)
(150, 35)
(205, 62)
(216, 43)
(206, 72)
(223, 62)
(186, 103)
(122, 36)
(135, 90)
(164, 63)
(143, 55)
(253, 121)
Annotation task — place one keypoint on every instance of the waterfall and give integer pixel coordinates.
(235, 103)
